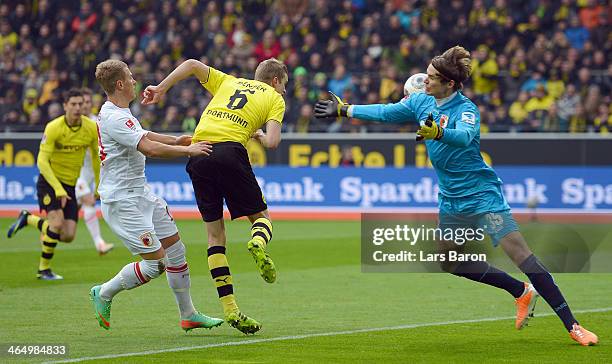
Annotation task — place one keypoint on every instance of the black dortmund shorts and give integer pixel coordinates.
(225, 174)
(48, 202)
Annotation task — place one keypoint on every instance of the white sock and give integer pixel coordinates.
(91, 220)
(177, 272)
(129, 277)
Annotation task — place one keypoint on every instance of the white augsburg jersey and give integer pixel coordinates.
(122, 172)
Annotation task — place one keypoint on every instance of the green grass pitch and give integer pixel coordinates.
(322, 308)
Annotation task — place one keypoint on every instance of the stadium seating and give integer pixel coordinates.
(537, 66)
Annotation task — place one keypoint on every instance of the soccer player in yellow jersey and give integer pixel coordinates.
(62, 150)
(238, 110)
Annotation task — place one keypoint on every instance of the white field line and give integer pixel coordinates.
(307, 336)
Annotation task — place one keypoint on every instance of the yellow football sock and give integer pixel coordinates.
(261, 231)
(48, 248)
(42, 225)
(220, 273)
(34, 220)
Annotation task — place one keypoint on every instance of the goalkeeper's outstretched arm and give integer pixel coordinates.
(397, 113)
(400, 112)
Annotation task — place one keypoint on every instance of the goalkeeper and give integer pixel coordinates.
(470, 192)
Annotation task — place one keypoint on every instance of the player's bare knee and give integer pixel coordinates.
(516, 247)
(56, 226)
(170, 240)
(67, 238)
(68, 231)
(264, 214)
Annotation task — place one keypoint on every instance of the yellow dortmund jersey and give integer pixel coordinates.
(238, 108)
(62, 150)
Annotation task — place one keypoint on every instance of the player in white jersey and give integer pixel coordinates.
(84, 191)
(140, 218)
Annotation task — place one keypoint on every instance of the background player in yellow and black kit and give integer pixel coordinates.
(237, 111)
(60, 158)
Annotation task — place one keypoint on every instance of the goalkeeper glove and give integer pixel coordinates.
(331, 108)
(430, 130)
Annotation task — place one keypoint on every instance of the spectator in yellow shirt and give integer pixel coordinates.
(554, 85)
(484, 71)
(7, 35)
(518, 113)
(539, 101)
(30, 103)
(48, 87)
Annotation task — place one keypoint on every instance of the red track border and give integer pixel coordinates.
(541, 216)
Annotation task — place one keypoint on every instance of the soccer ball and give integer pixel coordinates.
(415, 84)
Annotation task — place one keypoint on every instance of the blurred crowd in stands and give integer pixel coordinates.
(538, 66)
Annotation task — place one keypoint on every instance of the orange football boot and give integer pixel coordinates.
(525, 306)
(583, 336)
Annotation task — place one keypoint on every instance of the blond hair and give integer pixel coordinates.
(270, 68)
(109, 72)
(454, 64)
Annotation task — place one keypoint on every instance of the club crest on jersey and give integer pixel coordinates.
(146, 239)
(468, 117)
(129, 124)
(443, 120)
